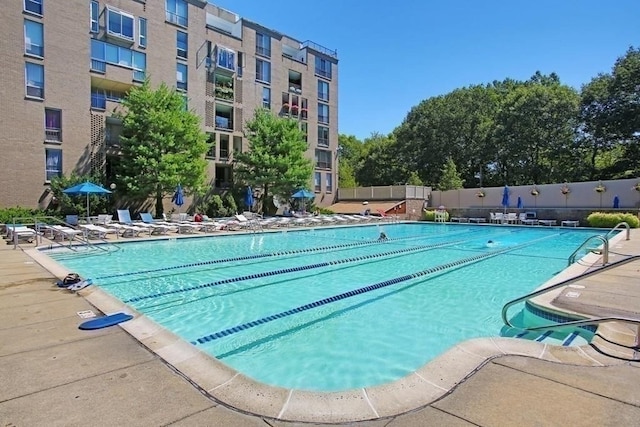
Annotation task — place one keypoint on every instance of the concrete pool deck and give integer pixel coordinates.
(138, 374)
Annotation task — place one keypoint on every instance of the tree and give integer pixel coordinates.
(450, 178)
(276, 162)
(162, 146)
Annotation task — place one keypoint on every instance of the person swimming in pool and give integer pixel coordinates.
(491, 243)
(383, 236)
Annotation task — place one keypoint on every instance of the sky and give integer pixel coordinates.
(393, 55)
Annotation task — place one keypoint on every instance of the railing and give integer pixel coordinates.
(320, 48)
(99, 66)
(566, 282)
(174, 18)
(51, 134)
(605, 249)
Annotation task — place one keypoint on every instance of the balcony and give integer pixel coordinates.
(224, 123)
(53, 135)
(323, 142)
(176, 19)
(98, 66)
(323, 119)
(224, 92)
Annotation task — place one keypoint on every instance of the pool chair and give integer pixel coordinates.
(97, 231)
(20, 232)
(157, 227)
(64, 233)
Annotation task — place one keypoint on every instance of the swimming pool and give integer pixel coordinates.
(332, 308)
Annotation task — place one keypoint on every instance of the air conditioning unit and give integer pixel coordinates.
(298, 90)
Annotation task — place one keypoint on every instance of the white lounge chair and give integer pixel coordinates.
(157, 227)
(97, 231)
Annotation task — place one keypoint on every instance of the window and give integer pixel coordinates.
(142, 32)
(263, 45)
(328, 187)
(112, 132)
(181, 76)
(304, 127)
(304, 112)
(266, 97)
(323, 136)
(176, 12)
(323, 159)
(317, 181)
(139, 66)
(33, 6)
(53, 163)
(323, 91)
(182, 44)
(323, 67)
(263, 71)
(52, 125)
(33, 38)
(240, 62)
(119, 24)
(323, 113)
(225, 58)
(34, 80)
(95, 13)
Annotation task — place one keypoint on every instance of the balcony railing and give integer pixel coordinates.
(181, 85)
(98, 66)
(224, 123)
(264, 51)
(98, 102)
(319, 48)
(323, 165)
(323, 119)
(53, 135)
(224, 92)
(323, 73)
(324, 142)
(174, 18)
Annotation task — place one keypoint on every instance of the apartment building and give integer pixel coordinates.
(63, 81)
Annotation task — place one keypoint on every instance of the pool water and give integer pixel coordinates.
(332, 308)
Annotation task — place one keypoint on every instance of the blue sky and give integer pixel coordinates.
(395, 54)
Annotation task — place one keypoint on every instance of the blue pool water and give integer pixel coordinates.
(332, 308)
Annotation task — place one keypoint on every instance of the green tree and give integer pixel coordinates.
(162, 146)
(350, 157)
(275, 162)
(449, 177)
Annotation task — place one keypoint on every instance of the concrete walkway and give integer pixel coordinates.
(54, 374)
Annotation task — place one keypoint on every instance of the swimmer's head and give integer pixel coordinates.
(490, 241)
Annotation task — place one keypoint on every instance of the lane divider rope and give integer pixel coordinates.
(436, 269)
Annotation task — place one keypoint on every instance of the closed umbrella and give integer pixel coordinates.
(520, 205)
(178, 197)
(616, 202)
(86, 188)
(505, 198)
(248, 198)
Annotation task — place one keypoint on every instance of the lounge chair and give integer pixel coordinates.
(65, 233)
(127, 226)
(97, 231)
(20, 232)
(158, 227)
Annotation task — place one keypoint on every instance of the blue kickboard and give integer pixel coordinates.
(103, 322)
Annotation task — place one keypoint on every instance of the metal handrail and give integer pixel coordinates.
(617, 227)
(566, 282)
(605, 251)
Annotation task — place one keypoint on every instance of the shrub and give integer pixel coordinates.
(230, 203)
(21, 214)
(431, 215)
(610, 220)
(214, 207)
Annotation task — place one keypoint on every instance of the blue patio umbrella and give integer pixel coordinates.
(616, 202)
(505, 198)
(178, 197)
(248, 198)
(86, 188)
(303, 194)
(520, 205)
